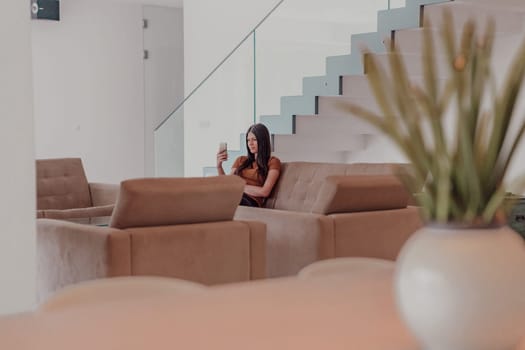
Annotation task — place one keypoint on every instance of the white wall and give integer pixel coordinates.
(213, 28)
(89, 89)
(17, 178)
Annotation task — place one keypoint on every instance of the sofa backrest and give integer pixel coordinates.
(174, 201)
(61, 184)
(300, 182)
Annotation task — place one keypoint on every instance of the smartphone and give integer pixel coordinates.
(223, 146)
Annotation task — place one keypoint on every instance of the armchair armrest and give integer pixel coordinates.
(79, 213)
(69, 252)
(103, 194)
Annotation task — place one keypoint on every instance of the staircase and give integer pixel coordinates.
(312, 127)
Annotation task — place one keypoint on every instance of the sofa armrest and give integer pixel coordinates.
(69, 252)
(356, 193)
(375, 234)
(257, 249)
(293, 239)
(103, 194)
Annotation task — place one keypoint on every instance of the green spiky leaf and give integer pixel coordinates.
(462, 175)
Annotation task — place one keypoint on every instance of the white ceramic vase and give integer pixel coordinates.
(463, 288)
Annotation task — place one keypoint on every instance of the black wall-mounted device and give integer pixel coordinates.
(45, 9)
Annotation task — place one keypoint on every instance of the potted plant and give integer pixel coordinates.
(460, 280)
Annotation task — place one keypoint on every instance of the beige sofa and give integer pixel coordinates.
(63, 192)
(171, 227)
(338, 312)
(323, 210)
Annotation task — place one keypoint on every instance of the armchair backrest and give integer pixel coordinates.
(174, 201)
(61, 184)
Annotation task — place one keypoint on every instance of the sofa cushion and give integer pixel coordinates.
(352, 193)
(173, 201)
(61, 184)
(300, 182)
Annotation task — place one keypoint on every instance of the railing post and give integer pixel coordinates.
(254, 80)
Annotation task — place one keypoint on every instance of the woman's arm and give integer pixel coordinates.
(223, 156)
(266, 188)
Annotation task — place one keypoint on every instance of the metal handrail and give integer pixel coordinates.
(220, 64)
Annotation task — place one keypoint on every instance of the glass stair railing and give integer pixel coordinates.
(284, 69)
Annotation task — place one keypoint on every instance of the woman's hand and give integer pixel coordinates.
(221, 157)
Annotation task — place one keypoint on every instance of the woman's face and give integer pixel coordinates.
(251, 141)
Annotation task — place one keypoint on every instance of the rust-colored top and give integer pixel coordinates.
(251, 176)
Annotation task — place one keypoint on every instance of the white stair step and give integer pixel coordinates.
(332, 126)
(355, 86)
(510, 4)
(413, 63)
(411, 40)
(335, 105)
(299, 143)
(380, 149)
(317, 156)
(508, 20)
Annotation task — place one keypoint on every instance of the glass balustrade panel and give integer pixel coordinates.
(221, 109)
(298, 52)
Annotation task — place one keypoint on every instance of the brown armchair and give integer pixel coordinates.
(169, 227)
(64, 193)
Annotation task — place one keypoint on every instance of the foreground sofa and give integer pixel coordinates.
(339, 312)
(324, 210)
(171, 227)
(63, 192)
(352, 308)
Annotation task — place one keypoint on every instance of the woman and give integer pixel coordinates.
(259, 168)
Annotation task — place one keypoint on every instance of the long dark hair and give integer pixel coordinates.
(264, 151)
